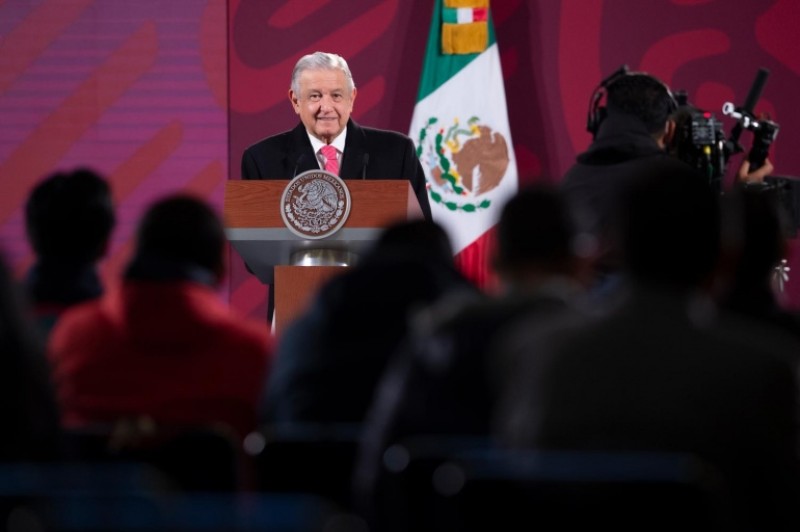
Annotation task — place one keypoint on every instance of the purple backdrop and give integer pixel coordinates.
(140, 89)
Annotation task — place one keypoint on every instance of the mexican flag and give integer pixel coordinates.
(460, 127)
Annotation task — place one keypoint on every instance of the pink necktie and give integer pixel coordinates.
(331, 162)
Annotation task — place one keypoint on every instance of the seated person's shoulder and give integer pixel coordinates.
(248, 334)
(78, 320)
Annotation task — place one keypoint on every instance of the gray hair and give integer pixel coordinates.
(321, 61)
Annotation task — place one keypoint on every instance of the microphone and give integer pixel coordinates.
(364, 167)
(297, 164)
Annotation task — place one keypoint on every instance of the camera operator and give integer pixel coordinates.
(632, 136)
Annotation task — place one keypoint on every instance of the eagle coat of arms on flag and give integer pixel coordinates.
(463, 162)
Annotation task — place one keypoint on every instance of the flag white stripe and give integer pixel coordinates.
(476, 90)
(464, 15)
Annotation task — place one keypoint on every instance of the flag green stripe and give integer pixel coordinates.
(450, 15)
(437, 67)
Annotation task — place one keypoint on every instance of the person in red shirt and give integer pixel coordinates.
(162, 345)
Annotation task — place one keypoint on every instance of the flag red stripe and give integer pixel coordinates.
(474, 261)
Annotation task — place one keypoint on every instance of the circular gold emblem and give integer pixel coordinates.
(315, 204)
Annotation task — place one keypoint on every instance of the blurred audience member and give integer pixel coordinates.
(28, 406)
(440, 382)
(163, 345)
(763, 224)
(330, 359)
(69, 218)
(663, 371)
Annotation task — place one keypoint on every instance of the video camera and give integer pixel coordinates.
(700, 140)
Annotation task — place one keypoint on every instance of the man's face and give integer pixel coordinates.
(324, 103)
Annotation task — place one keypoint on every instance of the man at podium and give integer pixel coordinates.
(322, 94)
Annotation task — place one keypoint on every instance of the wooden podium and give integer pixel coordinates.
(255, 228)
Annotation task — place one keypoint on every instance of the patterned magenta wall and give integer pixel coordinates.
(136, 90)
(553, 53)
(139, 89)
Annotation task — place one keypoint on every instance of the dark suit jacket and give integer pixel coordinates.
(368, 154)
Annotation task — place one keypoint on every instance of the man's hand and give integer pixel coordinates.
(756, 176)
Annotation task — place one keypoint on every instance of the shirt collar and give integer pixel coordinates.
(337, 143)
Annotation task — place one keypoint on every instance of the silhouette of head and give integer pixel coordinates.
(415, 239)
(69, 217)
(182, 230)
(535, 231)
(643, 96)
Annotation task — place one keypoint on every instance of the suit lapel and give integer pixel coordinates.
(355, 146)
(301, 156)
